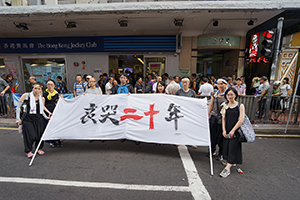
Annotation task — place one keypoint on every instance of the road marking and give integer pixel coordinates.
(95, 184)
(6, 128)
(279, 135)
(196, 186)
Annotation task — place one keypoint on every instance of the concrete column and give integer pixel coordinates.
(241, 59)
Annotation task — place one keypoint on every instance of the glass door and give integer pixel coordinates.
(154, 65)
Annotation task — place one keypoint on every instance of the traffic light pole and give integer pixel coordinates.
(274, 66)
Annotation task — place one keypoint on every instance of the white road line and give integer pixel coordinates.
(95, 184)
(196, 186)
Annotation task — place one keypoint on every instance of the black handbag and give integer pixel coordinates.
(219, 116)
(241, 136)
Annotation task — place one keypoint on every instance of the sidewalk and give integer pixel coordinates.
(258, 128)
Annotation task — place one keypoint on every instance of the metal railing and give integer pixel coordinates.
(279, 109)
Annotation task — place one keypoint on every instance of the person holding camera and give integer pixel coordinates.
(215, 123)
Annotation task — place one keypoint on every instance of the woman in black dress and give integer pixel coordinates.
(32, 119)
(233, 117)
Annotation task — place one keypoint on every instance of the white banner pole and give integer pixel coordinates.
(293, 102)
(36, 150)
(211, 161)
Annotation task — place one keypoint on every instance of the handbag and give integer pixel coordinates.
(247, 129)
(241, 136)
(219, 116)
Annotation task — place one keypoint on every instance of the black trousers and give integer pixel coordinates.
(261, 107)
(3, 107)
(216, 137)
(32, 132)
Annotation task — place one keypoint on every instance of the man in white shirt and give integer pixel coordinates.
(205, 89)
(109, 85)
(172, 87)
(155, 84)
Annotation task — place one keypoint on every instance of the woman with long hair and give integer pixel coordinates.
(232, 118)
(31, 119)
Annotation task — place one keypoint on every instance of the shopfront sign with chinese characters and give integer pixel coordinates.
(156, 118)
(163, 43)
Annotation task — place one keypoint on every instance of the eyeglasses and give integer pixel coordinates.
(230, 95)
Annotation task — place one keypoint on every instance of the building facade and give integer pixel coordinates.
(50, 38)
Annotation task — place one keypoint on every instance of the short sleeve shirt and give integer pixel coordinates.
(79, 88)
(3, 84)
(262, 87)
(61, 88)
(284, 89)
(190, 93)
(139, 88)
(206, 89)
(95, 91)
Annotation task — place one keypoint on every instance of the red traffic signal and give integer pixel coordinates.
(268, 43)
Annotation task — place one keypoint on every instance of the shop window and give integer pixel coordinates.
(155, 65)
(43, 69)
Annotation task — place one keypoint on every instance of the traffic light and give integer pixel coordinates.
(268, 43)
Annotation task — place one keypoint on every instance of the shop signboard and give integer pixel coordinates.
(165, 43)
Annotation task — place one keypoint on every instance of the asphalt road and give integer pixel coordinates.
(116, 170)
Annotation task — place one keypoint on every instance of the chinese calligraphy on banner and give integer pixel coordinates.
(156, 118)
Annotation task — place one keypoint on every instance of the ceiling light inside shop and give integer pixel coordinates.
(178, 22)
(216, 23)
(2, 66)
(70, 24)
(139, 59)
(21, 26)
(123, 23)
(33, 65)
(250, 23)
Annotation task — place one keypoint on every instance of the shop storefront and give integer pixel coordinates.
(47, 58)
(219, 55)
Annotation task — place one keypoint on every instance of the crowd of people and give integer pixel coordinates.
(35, 108)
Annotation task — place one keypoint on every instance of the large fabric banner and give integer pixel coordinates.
(155, 118)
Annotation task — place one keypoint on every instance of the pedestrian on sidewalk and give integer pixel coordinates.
(275, 106)
(3, 89)
(232, 118)
(32, 119)
(215, 122)
(263, 92)
(9, 94)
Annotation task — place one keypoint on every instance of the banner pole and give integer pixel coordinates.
(35, 152)
(211, 161)
(293, 102)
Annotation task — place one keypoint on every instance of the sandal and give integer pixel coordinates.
(29, 154)
(41, 152)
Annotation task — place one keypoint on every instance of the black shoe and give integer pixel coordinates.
(137, 143)
(123, 140)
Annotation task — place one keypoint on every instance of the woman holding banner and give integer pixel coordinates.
(215, 124)
(32, 119)
(233, 116)
(51, 97)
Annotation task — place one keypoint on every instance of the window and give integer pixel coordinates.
(43, 69)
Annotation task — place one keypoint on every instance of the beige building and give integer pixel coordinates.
(64, 37)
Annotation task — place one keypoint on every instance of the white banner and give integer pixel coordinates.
(155, 118)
